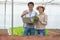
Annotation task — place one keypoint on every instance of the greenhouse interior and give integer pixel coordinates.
(10, 15)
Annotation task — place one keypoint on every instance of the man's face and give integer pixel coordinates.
(30, 6)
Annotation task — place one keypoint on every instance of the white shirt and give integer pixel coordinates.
(30, 14)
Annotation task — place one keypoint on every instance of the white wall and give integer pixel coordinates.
(52, 11)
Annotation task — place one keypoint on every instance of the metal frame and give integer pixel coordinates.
(5, 14)
(12, 15)
(20, 3)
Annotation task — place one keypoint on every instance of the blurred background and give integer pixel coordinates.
(52, 9)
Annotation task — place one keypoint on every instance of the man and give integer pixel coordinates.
(29, 27)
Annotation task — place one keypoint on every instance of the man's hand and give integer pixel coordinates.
(24, 13)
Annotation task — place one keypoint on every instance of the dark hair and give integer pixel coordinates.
(41, 7)
(31, 3)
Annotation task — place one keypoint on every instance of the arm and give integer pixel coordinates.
(44, 21)
(24, 13)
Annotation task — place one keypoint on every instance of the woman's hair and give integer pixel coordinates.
(41, 7)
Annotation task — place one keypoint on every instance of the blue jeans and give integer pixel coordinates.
(39, 32)
(29, 30)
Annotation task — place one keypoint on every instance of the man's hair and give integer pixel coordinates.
(31, 3)
(41, 7)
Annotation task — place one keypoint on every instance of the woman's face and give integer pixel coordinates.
(40, 9)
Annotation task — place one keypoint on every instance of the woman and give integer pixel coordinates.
(40, 25)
